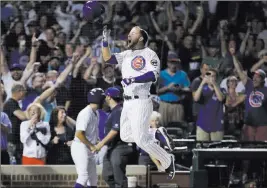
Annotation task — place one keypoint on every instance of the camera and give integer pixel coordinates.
(208, 74)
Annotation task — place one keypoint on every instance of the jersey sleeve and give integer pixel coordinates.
(82, 121)
(154, 66)
(119, 57)
(116, 121)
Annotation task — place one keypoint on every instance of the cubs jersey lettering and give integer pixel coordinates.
(256, 103)
(136, 63)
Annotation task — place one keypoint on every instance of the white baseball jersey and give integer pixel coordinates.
(87, 121)
(135, 63)
(134, 128)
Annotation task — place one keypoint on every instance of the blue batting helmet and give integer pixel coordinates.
(96, 96)
(92, 11)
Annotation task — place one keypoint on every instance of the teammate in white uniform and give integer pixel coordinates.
(86, 136)
(140, 67)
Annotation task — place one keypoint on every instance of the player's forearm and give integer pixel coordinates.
(147, 77)
(82, 138)
(106, 52)
(109, 137)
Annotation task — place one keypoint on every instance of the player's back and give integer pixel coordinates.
(136, 63)
(88, 120)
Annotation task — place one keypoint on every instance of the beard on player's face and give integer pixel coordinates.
(132, 43)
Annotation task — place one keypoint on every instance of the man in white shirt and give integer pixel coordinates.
(83, 147)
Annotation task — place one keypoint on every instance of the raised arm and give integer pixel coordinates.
(78, 31)
(88, 77)
(28, 72)
(259, 64)
(186, 18)
(244, 41)
(33, 54)
(243, 77)
(169, 10)
(198, 22)
(3, 62)
(222, 38)
(80, 62)
(105, 46)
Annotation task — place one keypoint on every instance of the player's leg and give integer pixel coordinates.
(119, 159)
(107, 171)
(125, 125)
(80, 158)
(92, 181)
(139, 115)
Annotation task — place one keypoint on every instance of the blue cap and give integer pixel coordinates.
(16, 67)
(113, 92)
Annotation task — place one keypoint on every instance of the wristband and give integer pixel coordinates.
(105, 44)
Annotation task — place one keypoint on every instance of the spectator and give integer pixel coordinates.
(173, 84)
(35, 135)
(38, 82)
(16, 115)
(63, 95)
(5, 129)
(210, 116)
(240, 88)
(144, 158)
(234, 108)
(255, 128)
(108, 79)
(204, 68)
(255, 116)
(62, 134)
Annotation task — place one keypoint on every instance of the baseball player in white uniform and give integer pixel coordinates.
(86, 136)
(140, 67)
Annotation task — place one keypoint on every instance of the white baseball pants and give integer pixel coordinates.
(135, 128)
(84, 163)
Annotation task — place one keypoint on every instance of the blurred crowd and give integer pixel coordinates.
(51, 57)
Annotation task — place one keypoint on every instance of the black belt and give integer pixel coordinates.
(126, 97)
(173, 102)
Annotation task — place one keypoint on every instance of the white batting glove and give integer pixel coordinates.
(106, 33)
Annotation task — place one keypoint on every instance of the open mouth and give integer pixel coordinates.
(129, 41)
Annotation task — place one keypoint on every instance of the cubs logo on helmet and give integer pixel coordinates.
(255, 99)
(138, 63)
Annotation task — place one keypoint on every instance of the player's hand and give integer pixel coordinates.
(106, 33)
(99, 146)
(127, 81)
(34, 39)
(92, 148)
